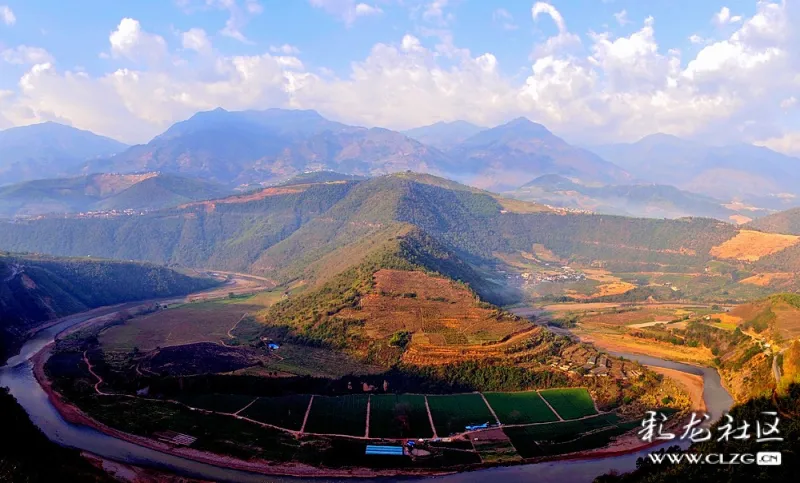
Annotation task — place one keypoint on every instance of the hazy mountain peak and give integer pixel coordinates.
(444, 134)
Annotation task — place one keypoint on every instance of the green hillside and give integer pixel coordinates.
(36, 289)
(787, 222)
(312, 232)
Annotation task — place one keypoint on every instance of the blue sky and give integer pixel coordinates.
(590, 70)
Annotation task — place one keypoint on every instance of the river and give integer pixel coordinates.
(18, 376)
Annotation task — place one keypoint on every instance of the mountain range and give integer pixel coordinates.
(744, 172)
(252, 148)
(49, 149)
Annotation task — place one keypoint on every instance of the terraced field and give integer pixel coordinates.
(570, 403)
(285, 412)
(399, 416)
(452, 413)
(338, 415)
(520, 407)
(437, 310)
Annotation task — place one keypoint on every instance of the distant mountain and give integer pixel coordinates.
(49, 149)
(786, 222)
(104, 192)
(499, 157)
(444, 135)
(739, 171)
(271, 146)
(647, 200)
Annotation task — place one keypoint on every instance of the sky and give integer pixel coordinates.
(592, 71)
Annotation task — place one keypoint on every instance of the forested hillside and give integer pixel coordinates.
(314, 231)
(37, 289)
(787, 222)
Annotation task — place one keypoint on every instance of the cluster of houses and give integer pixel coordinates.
(596, 365)
(566, 274)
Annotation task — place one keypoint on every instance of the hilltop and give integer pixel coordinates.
(104, 192)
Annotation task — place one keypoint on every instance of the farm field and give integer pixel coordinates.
(221, 403)
(338, 415)
(451, 413)
(520, 407)
(546, 439)
(186, 324)
(749, 245)
(399, 416)
(570, 403)
(285, 412)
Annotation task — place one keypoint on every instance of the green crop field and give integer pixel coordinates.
(570, 403)
(338, 415)
(399, 416)
(520, 407)
(221, 403)
(451, 413)
(286, 412)
(567, 436)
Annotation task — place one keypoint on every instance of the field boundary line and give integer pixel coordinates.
(308, 411)
(430, 416)
(551, 407)
(369, 403)
(491, 409)
(250, 404)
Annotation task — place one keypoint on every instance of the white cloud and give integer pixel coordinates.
(24, 54)
(362, 9)
(788, 143)
(502, 17)
(284, 49)
(131, 42)
(347, 10)
(563, 40)
(434, 11)
(615, 88)
(696, 39)
(724, 17)
(239, 14)
(622, 17)
(7, 15)
(196, 39)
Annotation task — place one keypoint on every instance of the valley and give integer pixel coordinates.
(381, 322)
